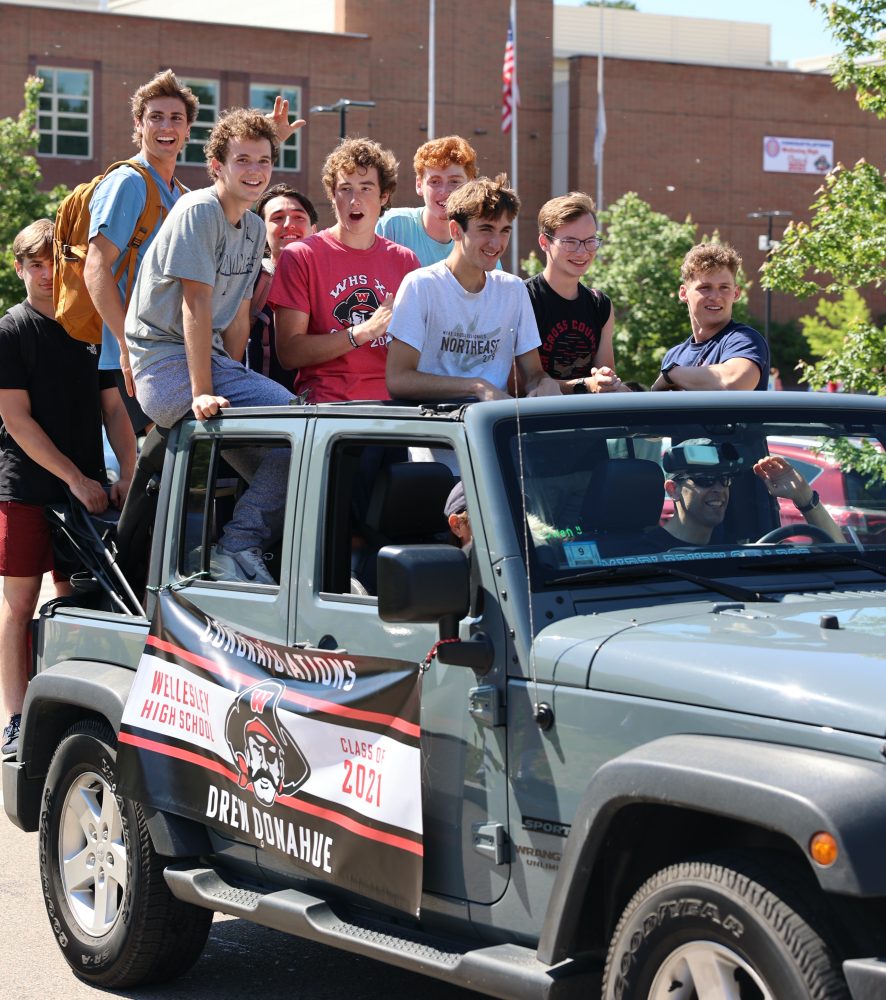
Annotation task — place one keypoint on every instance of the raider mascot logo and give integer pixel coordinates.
(356, 308)
(268, 759)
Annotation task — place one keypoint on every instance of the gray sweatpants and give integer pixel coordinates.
(164, 392)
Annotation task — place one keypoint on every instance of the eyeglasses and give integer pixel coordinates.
(706, 482)
(570, 244)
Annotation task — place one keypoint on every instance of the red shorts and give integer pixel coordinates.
(25, 542)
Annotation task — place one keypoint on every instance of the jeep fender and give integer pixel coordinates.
(57, 697)
(783, 789)
(70, 688)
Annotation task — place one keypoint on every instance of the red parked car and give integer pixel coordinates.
(852, 500)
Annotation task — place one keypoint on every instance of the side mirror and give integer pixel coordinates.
(423, 583)
(431, 583)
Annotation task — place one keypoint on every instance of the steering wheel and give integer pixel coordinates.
(792, 531)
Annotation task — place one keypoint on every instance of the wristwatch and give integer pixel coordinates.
(666, 369)
(581, 387)
(813, 503)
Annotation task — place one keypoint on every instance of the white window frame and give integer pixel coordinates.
(291, 149)
(48, 108)
(207, 116)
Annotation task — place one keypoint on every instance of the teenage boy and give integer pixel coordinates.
(189, 318)
(441, 167)
(720, 353)
(50, 437)
(575, 322)
(289, 216)
(332, 292)
(163, 111)
(459, 326)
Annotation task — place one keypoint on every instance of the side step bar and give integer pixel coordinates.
(509, 971)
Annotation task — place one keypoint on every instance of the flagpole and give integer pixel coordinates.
(515, 248)
(432, 66)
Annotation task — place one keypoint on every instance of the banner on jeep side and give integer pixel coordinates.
(311, 755)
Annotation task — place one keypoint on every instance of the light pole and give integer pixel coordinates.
(766, 243)
(341, 106)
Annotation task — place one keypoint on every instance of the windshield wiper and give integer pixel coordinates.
(829, 557)
(733, 591)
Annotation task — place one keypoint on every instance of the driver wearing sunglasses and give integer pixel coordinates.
(701, 492)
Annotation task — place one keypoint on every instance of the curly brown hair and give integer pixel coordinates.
(239, 123)
(356, 154)
(165, 84)
(708, 257)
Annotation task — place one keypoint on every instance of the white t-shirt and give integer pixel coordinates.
(461, 333)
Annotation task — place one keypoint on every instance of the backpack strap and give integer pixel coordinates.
(153, 211)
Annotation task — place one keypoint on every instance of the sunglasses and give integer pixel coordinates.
(706, 482)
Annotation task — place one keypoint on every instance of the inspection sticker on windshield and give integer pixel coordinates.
(582, 554)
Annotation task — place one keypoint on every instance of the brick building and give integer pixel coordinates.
(379, 52)
(688, 100)
(688, 104)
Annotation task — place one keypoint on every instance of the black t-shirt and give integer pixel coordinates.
(60, 375)
(570, 329)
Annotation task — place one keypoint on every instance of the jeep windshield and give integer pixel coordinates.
(714, 490)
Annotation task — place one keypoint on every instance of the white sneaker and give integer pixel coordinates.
(247, 565)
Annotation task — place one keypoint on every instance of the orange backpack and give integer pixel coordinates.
(74, 309)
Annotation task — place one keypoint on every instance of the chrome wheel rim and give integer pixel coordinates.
(704, 970)
(92, 854)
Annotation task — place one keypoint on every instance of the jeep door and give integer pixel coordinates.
(362, 491)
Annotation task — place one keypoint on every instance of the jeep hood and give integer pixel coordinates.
(774, 660)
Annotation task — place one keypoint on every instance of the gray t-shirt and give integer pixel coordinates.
(196, 242)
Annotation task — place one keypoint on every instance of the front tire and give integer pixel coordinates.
(718, 931)
(112, 914)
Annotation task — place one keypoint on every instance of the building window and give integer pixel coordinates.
(261, 96)
(207, 92)
(65, 113)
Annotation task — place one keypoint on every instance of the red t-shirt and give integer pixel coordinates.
(338, 287)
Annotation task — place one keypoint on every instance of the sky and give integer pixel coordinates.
(797, 29)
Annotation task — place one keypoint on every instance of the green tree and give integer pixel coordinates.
(638, 267)
(786, 344)
(21, 200)
(843, 246)
(824, 331)
(858, 29)
(842, 249)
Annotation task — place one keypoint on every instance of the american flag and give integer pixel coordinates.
(510, 96)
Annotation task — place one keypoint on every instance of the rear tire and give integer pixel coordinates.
(112, 914)
(719, 931)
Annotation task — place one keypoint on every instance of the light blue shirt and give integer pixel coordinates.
(115, 209)
(404, 226)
